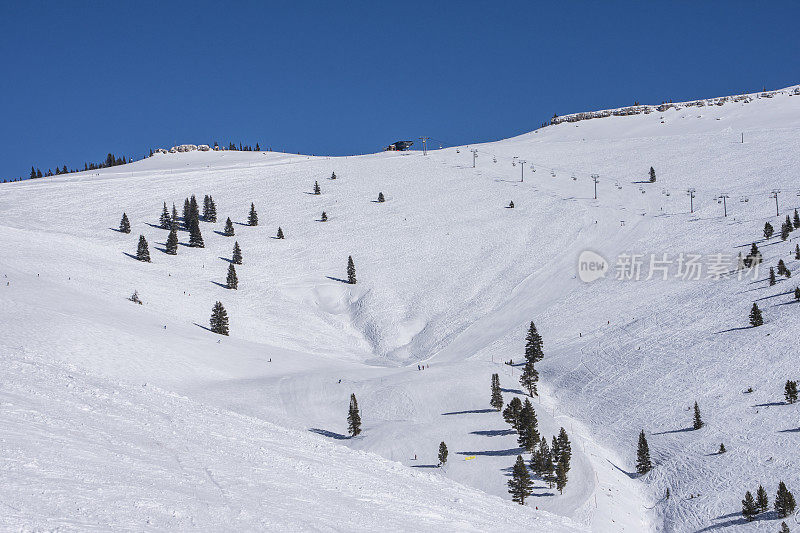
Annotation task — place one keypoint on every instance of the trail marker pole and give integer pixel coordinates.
(775, 195)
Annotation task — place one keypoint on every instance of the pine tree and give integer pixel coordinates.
(797, 251)
(561, 477)
(195, 237)
(351, 271)
(280, 233)
(124, 224)
(232, 281)
(324, 217)
(555, 450)
(754, 257)
(316, 188)
(784, 528)
(33, 173)
(219, 319)
(542, 460)
(762, 501)
(511, 204)
(643, 464)
(797, 293)
(520, 485)
(172, 242)
(228, 231)
(533, 345)
(143, 252)
(796, 221)
(212, 209)
(548, 466)
(135, 298)
(186, 212)
(529, 378)
(784, 501)
(652, 175)
(442, 453)
(781, 267)
(174, 215)
(528, 436)
(333, 175)
(206, 207)
(381, 198)
(698, 422)
(252, 220)
(353, 417)
(496, 400)
(194, 211)
(790, 391)
(565, 448)
(511, 413)
(772, 276)
(165, 220)
(236, 258)
(749, 507)
(768, 230)
(755, 316)
(722, 448)
(786, 229)
(788, 223)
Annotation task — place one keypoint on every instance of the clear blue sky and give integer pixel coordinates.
(80, 79)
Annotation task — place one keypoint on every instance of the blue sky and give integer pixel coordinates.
(81, 79)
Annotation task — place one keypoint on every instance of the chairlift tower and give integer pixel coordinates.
(424, 146)
(691, 192)
(595, 179)
(723, 197)
(474, 156)
(522, 169)
(774, 194)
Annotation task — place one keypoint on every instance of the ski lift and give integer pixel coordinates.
(744, 199)
(513, 163)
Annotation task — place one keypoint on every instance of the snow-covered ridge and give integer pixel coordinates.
(647, 109)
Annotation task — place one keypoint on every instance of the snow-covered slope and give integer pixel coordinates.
(448, 277)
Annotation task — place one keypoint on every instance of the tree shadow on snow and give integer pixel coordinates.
(157, 226)
(340, 280)
(775, 295)
(330, 434)
(242, 224)
(682, 430)
(795, 430)
(769, 515)
(497, 453)
(202, 326)
(770, 404)
(226, 259)
(493, 432)
(222, 233)
(224, 286)
(131, 255)
(471, 412)
(424, 466)
(733, 329)
(115, 229)
(512, 391)
(632, 475)
(160, 249)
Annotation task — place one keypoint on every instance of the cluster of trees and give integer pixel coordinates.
(784, 503)
(245, 148)
(111, 161)
(550, 463)
(522, 418)
(790, 391)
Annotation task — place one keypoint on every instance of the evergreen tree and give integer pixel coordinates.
(186, 212)
(206, 207)
(533, 345)
(165, 220)
(698, 422)
(781, 267)
(755, 316)
(528, 436)
(722, 448)
(496, 401)
(381, 198)
(529, 378)
(194, 211)
(143, 252)
(212, 210)
(511, 204)
(135, 298)
(520, 485)
(252, 220)
(749, 507)
(236, 258)
(565, 448)
(219, 319)
(511, 413)
(228, 231)
(784, 501)
(232, 281)
(790, 391)
(561, 477)
(796, 221)
(280, 233)
(643, 464)
(172, 242)
(797, 251)
(548, 467)
(768, 230)
(33, 173)
(353, 417)
(442, 453)
(762, 501)
(174, 215)
(652, 175)
(772, 276)
(351, 272)
(797, 293)
(784, 528)
(786, 229)
(542, 460)
(124, 224)
(788, 222)
(195, 237)
(324, 217)
(333, 175)
(38, 173)
(754, 257)
(316, 188)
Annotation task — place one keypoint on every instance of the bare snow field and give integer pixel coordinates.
(127, 417)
